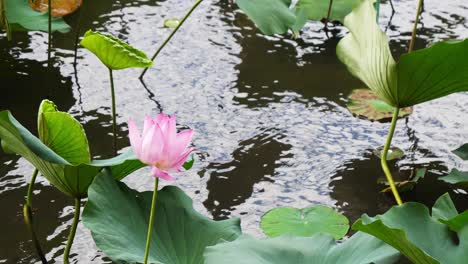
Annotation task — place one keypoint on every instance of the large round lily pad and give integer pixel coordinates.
(60, 8)
(305, 222)
(118, 218)
(365, 103)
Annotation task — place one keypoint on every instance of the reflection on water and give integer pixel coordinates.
(271, 127)
(254, 161)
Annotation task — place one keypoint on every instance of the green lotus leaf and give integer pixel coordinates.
(114, 211)
(420, 76)
(63, 134)
(113, 52)
(455, 177)
(71, 179)
(419, 236)
(462, 152)
(318, 9)
(21, 17)
(319, 249)
(171, 22)
(270, 16)
(304, 222)
(394, 153)
(365, 103)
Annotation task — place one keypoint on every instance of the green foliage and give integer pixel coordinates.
(278, 16)
(456, 176)
(270, 16)
(63, 134)
(171, 22)
(365, 103)
(419, 236)
(71, 172)
(113, 52)
(118, 218)
(420, 76)
(319, 249)
(462, 152)
(394, 153)
(21, 17)
(305, 222)
(318, 9)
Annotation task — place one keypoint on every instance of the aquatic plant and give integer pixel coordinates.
(115, 55)
(118, 218)
(456, 176)
(176, 28)
(423, 238)
(418, 77)
(280, 16)
(61, 155)
(162, 148)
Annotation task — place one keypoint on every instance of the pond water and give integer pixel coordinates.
(269, 113)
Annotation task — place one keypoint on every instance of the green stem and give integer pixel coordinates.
(172, 34)
(71, 236)
(49, 45)
(114, 122)
(415, 27)
(30, 188)
(383, 160)
(151, 220)
(328, 14)
(77, 33)
(377, 8)
(28, 219)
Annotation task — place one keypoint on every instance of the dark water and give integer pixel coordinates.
(271, 126)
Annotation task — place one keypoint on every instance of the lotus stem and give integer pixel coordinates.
(28, 219)
(383, 159)
(151, 221)
(415, 27)
(71, 236)
(391, 5)
(114, 122)
(49, 44)
(328, 14)
(377, 8)
(198, 2)
(77, 33)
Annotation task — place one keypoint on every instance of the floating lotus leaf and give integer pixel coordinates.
(419, 236)
(408, 185)
(60, 8)
(394, 153)
(365, 103)
(304, 222)
(114, 53)
(462, 152)
(418, 77)
(319, 249)
(318, 9)
(72, 171)
(118, 218)
(171, 22)
(455, 177)
(21, 17)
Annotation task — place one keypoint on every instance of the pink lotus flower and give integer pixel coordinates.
(160, 146)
